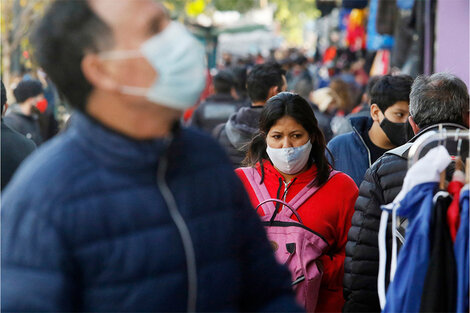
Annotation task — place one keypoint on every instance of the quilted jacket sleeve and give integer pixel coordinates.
(381, 184)
(362, 256)
(35, 267)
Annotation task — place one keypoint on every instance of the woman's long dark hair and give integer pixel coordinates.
(293, 105)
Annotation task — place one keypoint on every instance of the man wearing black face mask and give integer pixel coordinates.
(437, 99)
(386, 128)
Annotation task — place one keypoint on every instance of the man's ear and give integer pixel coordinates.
(375, 112)
(234, 93)
(414, 126)
(5, 108)
(274, 90)
(97, 73)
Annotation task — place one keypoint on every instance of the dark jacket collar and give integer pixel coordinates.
(112, 148)
(220, 97)
(361, 123)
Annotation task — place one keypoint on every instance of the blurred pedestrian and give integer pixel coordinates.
(127, 211)
(304, 88)
(241, 72)
(218, 107)
(263, 82)
(439, 98)
(298, 71)
(24, 116)
(386, 128)
(363, 109)
(289, 155)
(15, 146)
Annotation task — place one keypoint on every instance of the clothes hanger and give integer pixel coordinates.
(442, 136)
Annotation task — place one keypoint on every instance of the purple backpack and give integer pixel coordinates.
(295, 245)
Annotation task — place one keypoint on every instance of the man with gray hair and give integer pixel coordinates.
(437, 99)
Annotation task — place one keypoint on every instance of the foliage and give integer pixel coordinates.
(16, 19)
(292, 15)
(192, 8)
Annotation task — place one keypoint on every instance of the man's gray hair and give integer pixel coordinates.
(439, 98)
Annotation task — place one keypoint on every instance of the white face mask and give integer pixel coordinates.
(290, 160)
(179, 60)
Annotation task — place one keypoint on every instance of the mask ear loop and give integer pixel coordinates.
(120, 55)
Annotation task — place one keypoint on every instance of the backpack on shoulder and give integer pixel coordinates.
(294, 244)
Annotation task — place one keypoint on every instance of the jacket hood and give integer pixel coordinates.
(242, 125)
(361, 123)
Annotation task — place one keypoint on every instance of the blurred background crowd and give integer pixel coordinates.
(328, 48)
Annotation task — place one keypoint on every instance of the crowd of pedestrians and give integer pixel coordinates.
(266, 198)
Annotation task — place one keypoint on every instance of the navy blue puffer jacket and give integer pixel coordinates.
(85, 228)
(351, 154)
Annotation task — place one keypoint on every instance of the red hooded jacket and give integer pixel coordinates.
(328, 212)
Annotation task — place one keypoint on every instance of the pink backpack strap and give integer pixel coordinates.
(260, 190)
(286, 205)
(303, 195)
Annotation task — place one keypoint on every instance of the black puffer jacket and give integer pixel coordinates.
(236, 134)
(382, 182)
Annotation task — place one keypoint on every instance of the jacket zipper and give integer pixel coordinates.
(363, 142)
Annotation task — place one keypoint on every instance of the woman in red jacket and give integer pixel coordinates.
(288, 153)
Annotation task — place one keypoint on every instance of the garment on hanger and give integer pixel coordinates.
(415, 202)
(375, 41)
(442, 268)
(354, 4)
(387, 13)
(461, 250)
(453, 213)
(356, 32)
(405, 4)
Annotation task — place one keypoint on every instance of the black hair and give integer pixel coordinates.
(293, 105)
(27, 89)
(224, 81)
(390, 89)
(261, 78)
(370, 84)
(439, 98)
(240, 73)
(68, 30)
(4, 96)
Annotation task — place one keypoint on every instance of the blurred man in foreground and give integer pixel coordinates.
(117, 218)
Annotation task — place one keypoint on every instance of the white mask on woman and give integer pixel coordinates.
(290, 160)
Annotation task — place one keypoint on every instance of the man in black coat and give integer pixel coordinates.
(438, 99)
(24, 117)
(15, 147)
(217, 108)
(263, 82)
